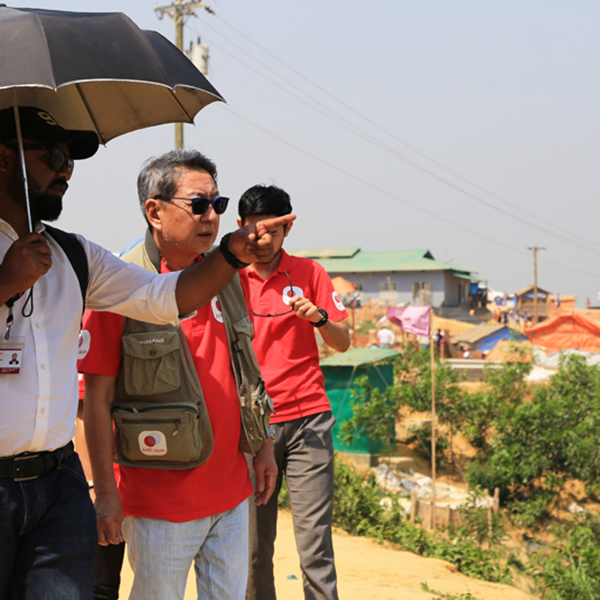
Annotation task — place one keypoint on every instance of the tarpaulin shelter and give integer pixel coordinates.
(340, 372)
(485, 336)
(579, 330)
(343, 286)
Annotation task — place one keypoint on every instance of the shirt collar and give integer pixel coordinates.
(284, 262)
(282, 267)
(5, 226)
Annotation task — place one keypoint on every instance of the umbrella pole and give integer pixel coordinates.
(22, 156)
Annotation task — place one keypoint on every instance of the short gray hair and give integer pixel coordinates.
(160, 175)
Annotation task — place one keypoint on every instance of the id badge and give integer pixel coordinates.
(11, 356)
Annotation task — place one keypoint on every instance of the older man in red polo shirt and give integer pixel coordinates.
(197, 515)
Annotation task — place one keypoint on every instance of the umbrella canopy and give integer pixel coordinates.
(96, 71)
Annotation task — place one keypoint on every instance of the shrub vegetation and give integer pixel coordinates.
(532, 442)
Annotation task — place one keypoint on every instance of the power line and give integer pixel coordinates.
(580, 243)
(323, 161)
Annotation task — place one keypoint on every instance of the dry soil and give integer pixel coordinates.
(368, 571)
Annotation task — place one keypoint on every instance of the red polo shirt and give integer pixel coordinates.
(285, 345)
(222, 482)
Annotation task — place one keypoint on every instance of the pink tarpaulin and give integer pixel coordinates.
(412, 319)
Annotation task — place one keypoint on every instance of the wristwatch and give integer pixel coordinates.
(324, 318)
(228, 255)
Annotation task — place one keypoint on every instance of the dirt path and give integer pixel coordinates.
(367, 571)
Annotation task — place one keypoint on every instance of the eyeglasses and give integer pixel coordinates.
(200, 205)
(287, 312)
(58, 159)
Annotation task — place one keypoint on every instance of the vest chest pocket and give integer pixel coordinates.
(150, 363)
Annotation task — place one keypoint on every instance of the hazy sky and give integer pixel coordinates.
(470, 128)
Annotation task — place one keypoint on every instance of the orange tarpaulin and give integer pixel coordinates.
(342, 286)
(570, 331)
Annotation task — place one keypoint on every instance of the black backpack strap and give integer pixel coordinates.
(152, 250)
(75, 253)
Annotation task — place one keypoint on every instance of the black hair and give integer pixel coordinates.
(264, 200)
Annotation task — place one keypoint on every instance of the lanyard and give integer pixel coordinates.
(25, 312)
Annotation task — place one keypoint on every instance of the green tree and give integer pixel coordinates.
(542, 443)
(375, 411)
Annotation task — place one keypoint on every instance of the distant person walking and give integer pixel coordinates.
(386, 337)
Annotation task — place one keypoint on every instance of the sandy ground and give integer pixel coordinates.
(367, 571)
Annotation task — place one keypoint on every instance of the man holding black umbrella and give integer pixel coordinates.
(47, 521)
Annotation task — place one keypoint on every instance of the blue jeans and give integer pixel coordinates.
(161, 553)
(47, 536)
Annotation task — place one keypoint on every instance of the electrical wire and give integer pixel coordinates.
(580, 243)
(429, 213)
(341, 121)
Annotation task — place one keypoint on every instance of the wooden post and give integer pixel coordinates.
(433, 418)
(413, 507)
(178, 10)
(353, 322)
(496, 502)
(447, 516)
(535, 285)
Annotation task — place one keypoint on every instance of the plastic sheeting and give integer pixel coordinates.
(572, 331)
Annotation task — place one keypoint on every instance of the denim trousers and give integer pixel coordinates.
(161, 553)
(48, 536)
(304, 454)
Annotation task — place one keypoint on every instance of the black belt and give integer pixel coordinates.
(30, 465)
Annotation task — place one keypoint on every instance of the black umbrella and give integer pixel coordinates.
(96, 71)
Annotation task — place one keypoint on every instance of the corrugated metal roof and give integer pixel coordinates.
(327, 253)
(356, 261)
(529, 288)
(469, 277)
(359, 356)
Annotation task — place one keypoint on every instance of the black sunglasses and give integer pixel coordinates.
(200, 205)
(58, 159)
(287, 312)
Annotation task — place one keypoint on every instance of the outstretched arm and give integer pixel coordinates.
(199, 283)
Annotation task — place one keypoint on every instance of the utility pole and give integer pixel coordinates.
(179, 11)
(535, 285)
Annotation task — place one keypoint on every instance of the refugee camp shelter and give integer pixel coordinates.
(484, 337)
(525, 302)
(560, 304)
(408, 276)
(577, 330)
(510, 351)
(340, 372)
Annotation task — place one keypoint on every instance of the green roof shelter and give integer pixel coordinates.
(340, 372)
